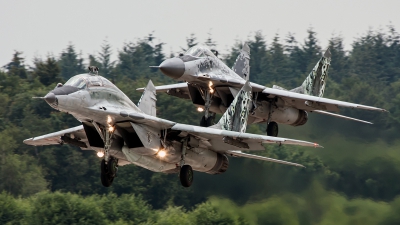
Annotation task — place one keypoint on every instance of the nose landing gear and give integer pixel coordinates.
(208, 118)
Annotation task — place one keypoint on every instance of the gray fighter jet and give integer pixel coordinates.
(211, 86)
(122, 133)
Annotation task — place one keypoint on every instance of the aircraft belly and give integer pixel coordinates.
(149, 162)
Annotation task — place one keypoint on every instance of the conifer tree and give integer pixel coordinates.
(70, 64)
(106, 65)
(16, 67)
(190, 42)
(47, 71)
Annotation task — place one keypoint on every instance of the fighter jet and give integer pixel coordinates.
(211, 86)
(122, 133)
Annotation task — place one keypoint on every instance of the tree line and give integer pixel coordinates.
(357, 170)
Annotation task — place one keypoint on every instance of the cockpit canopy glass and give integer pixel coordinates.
(76, 81)
(94, 81)
(198, 51)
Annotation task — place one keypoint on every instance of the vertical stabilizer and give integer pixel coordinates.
(315, 83)
(147, 102)
(242, 66)
(235, 117)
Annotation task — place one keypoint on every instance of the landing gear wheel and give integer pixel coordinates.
(186, 176)
(206, 122)
(108, 171)
(203, 122)
(272, 129)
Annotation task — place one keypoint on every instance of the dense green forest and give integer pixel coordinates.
(353, 180)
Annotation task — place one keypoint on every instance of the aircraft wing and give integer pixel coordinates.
(312, 103)
(74, 136)
(241, 154)
(165, 88)
(223, 140)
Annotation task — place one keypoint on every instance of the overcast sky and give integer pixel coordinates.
(43, 27)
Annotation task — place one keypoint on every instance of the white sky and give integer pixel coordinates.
(44, 27)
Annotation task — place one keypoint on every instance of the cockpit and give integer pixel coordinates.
(76, 81)
(199, 52)
(83, 81)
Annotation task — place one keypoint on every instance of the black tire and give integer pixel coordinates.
(209, 121)
(186, 176)
(206, 122)
(112, 167)
(106, 179)
(272, 129)
(203, 121)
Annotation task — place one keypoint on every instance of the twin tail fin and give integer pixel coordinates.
(315, 83)
(235, 117)
(242, 66)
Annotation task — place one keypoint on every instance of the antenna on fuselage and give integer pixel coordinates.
(93, 70)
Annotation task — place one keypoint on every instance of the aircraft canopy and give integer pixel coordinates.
(199, 52)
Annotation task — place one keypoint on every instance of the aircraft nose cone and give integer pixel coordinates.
(50, 98)
(173, 67)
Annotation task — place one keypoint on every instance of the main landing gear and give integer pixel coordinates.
(186, 175)
(186, 172)
(108, 171)
(272, 129)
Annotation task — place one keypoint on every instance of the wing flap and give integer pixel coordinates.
(250, 156)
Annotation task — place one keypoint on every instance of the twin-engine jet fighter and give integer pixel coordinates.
(122, 133)
(211, 86)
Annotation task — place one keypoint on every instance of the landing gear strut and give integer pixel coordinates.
(208, 117)
(108, 171)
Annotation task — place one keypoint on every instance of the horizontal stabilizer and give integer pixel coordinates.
(241, 154)
(340, 116)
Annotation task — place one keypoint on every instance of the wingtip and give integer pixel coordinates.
(316, 145)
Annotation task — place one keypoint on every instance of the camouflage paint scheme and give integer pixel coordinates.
(315, 83)
(128, 134)
(211, 85)
(235, 117)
